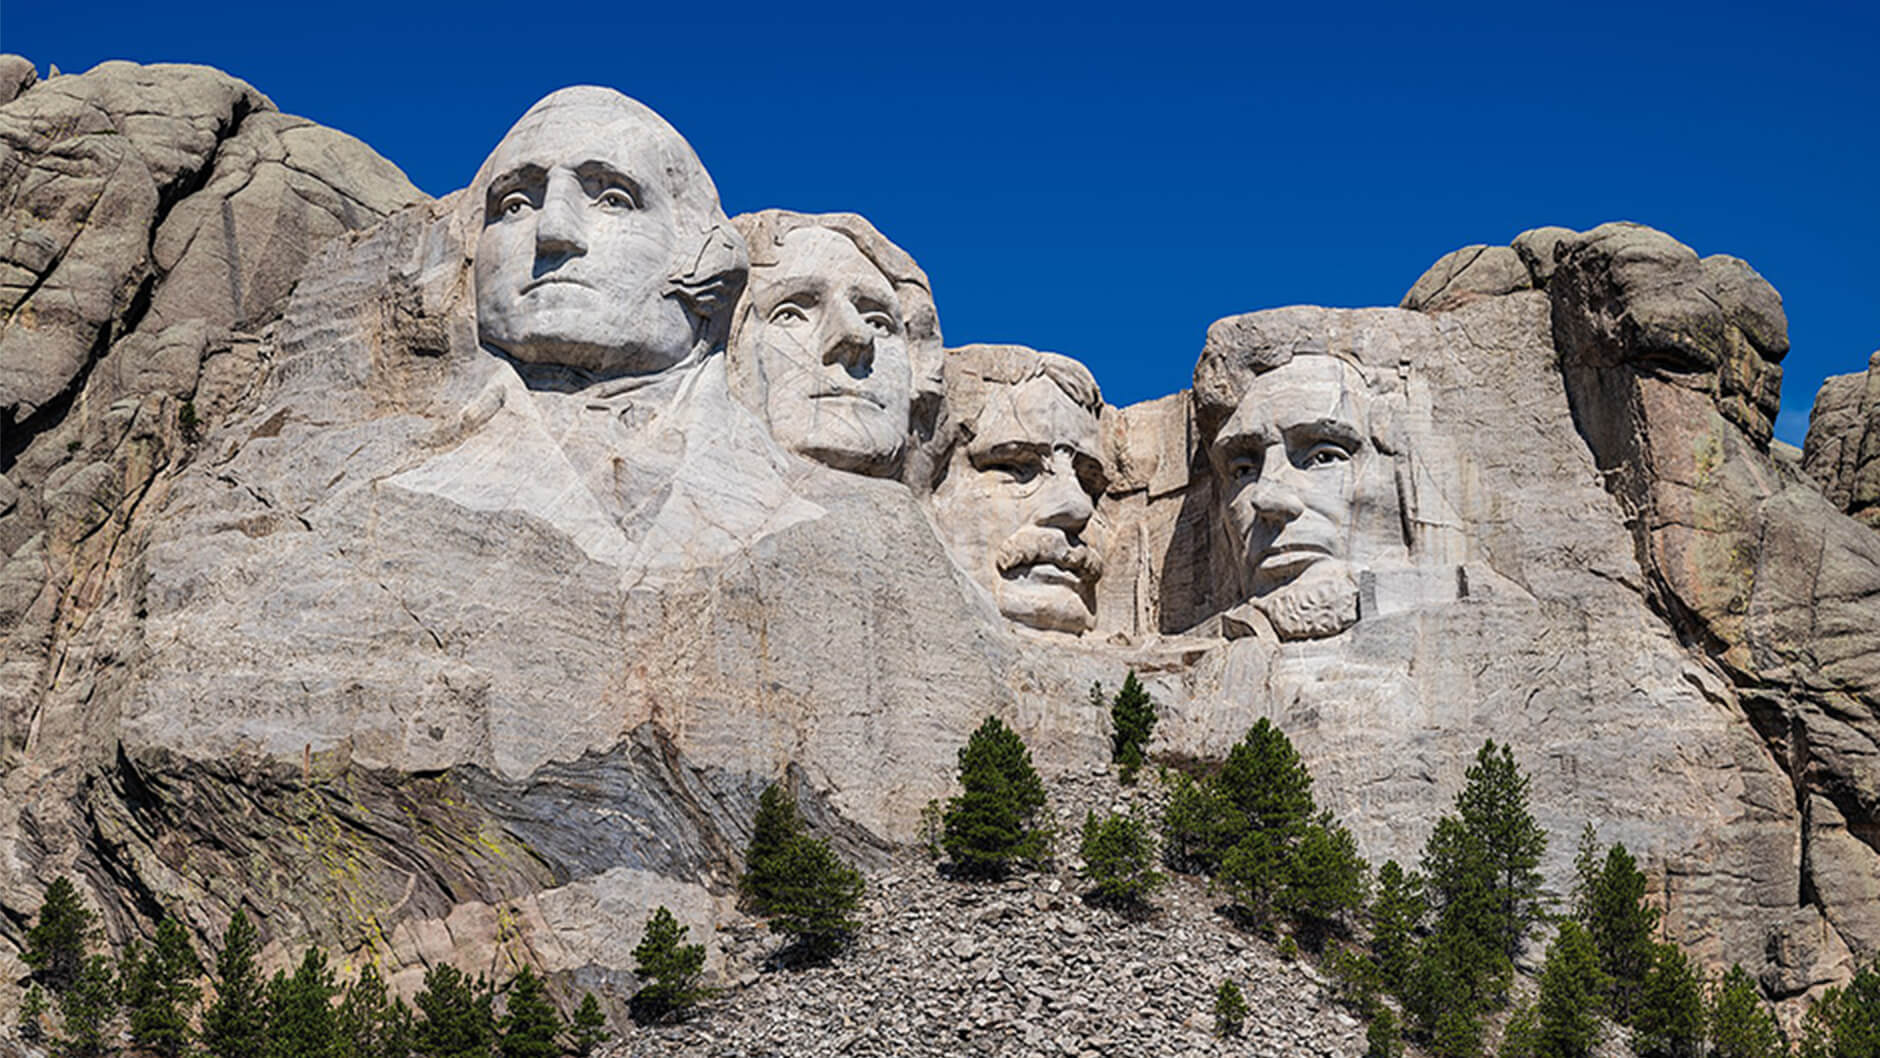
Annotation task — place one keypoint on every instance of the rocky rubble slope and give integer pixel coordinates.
(1022, 967)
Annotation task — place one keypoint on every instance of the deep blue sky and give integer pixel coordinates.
(1106, 186)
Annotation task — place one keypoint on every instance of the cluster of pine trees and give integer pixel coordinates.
(83, 1004)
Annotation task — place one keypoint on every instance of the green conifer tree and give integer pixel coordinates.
(1383, 1038)
(1520, 1037)
(1668, 1021)
(1324, 880)
(455, 1015)
(1571, 987)
(55, 942)
(160, 991)
(33, 1009)
(776, 826)
(531, 1025)
(1119, 860)
(670, 969)
(1493, 806)
(370, 1022)
(1740, 1026)
(1132, 722)
(235, 1025)
(995, 821)
(1230, 1010)
(1621, 925)
(1845, 1022)
(300, 1010)
(1396, 913)
(86, 1009)
(1198, 826)
(588, 1028)
(1268, 786)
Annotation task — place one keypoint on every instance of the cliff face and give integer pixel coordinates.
(333, 591)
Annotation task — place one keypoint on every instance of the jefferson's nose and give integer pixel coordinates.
(849, 341)
(559, 230)
(1062, 502)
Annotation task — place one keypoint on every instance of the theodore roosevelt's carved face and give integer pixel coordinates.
(585, 205)
(825, 334)
(1017, 504)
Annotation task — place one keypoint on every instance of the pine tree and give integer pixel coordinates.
(1668, 1021)
(671, 969)
(235, 1025)
(1119, 860)
(160, 991)
(1268, 786)
(1230, 1010)
(1396, 912)
(994, 823)
(530, 1024)
(1132, 722)
(300, 1010)
(1383, 1038)
(1571, 985)
(370, 1022)
(815, 898)
(1520, 1038)
(55, 943)
(456, 1015)
(1845, 1022)
(1621, 925)
(1324, 879)
(1493, 806)
(33, 1014)
(588, 1029)
(1198, 827)
(776, 826)
(86, 1008)
(1740, 1026)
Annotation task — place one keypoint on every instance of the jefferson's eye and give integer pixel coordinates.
(1016, 468)
(879, 322)
(1326, 454)
(617, 198)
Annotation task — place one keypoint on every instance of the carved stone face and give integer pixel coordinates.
(1017, 502)
(1296, 466)
(575, 261)
(830, 348)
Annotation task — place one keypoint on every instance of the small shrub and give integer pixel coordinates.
(187, 423)
(1669, 1019)
(1288, 949)
(671, 968)
(587, 1030)
(1740, 1026)
(1230, 1010)
(1383, 1038)
(1119, 860)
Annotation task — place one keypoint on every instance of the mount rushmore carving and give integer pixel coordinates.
(509, 548)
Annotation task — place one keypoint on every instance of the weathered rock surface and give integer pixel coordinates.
(1843, 443)
(321, 602)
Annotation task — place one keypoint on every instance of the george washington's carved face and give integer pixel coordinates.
(826, 335)
(586, 209)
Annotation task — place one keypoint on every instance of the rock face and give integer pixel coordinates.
(447, 578)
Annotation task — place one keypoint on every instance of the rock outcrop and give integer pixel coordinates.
(364, 569)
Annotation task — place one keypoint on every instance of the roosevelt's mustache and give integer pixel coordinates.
(1033, 544)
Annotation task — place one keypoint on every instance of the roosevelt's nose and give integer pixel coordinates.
(560, 230)
(1062, 502)
(849, 340)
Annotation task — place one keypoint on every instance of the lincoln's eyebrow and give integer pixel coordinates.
(1328, 429)
(1234, 441)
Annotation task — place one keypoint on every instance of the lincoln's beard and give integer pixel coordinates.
(1321, 601)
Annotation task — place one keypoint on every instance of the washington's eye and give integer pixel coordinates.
(512, 203)
(617, 198)
(1326, 454)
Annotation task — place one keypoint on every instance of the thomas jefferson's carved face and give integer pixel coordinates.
(574, 263)
(827, 338)
(1017, 502)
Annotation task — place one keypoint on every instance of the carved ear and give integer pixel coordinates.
(714, 275)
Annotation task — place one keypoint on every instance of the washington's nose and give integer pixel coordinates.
(850, 341)
(559, 230)
(1064, 504)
